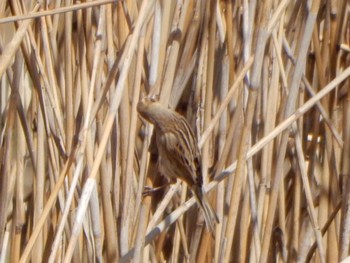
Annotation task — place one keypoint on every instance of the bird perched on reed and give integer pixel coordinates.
(178, 152)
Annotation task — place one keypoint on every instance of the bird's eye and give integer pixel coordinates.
(154, 98)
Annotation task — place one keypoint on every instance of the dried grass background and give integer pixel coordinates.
(264, 85)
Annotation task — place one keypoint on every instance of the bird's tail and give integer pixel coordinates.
(210, 216)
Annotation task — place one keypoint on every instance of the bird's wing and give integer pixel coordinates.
(184, 158)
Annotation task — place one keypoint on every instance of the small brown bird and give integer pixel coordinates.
(178, 152)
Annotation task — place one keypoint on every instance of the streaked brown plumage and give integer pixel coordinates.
(178, 152)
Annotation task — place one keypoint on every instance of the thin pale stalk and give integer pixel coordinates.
(96, 64)
(131, 143)
(161, 29)
(345, 224)
(169, 73)
(222, 135)
(55, 11)
(225, 103)
(39, 185)
(145, 8)
(50, 78)
(244, 141)
(324, 229)
(311, 208)
(5, 243)
(5, 168)
(107, 208)
(180, 234)
(96, 225)
(289, 109)
(229, 38)
(255, 224)
(295, 222)
(10, 49)
(20, 212)
(209, 87)
(245, 223)
(45, 92)
(189, 56)
(110, 231)
(124, 126)
(68, 68)
(270, 122)
(322, 130)
(94, 201)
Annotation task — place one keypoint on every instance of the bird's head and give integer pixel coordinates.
(149, 107)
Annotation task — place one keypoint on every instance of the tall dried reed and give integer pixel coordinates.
(264, 85)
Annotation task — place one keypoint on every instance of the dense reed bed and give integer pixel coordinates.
(264, 84)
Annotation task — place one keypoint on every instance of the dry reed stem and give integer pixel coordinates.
(253, 150)
(131, 143)
(288, 109)
(56, 11)
(90, 183)
(224, 104)
(75, 156)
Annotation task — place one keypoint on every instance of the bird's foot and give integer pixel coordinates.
(148, 190)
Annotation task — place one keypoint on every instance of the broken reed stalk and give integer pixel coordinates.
(91, 66)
